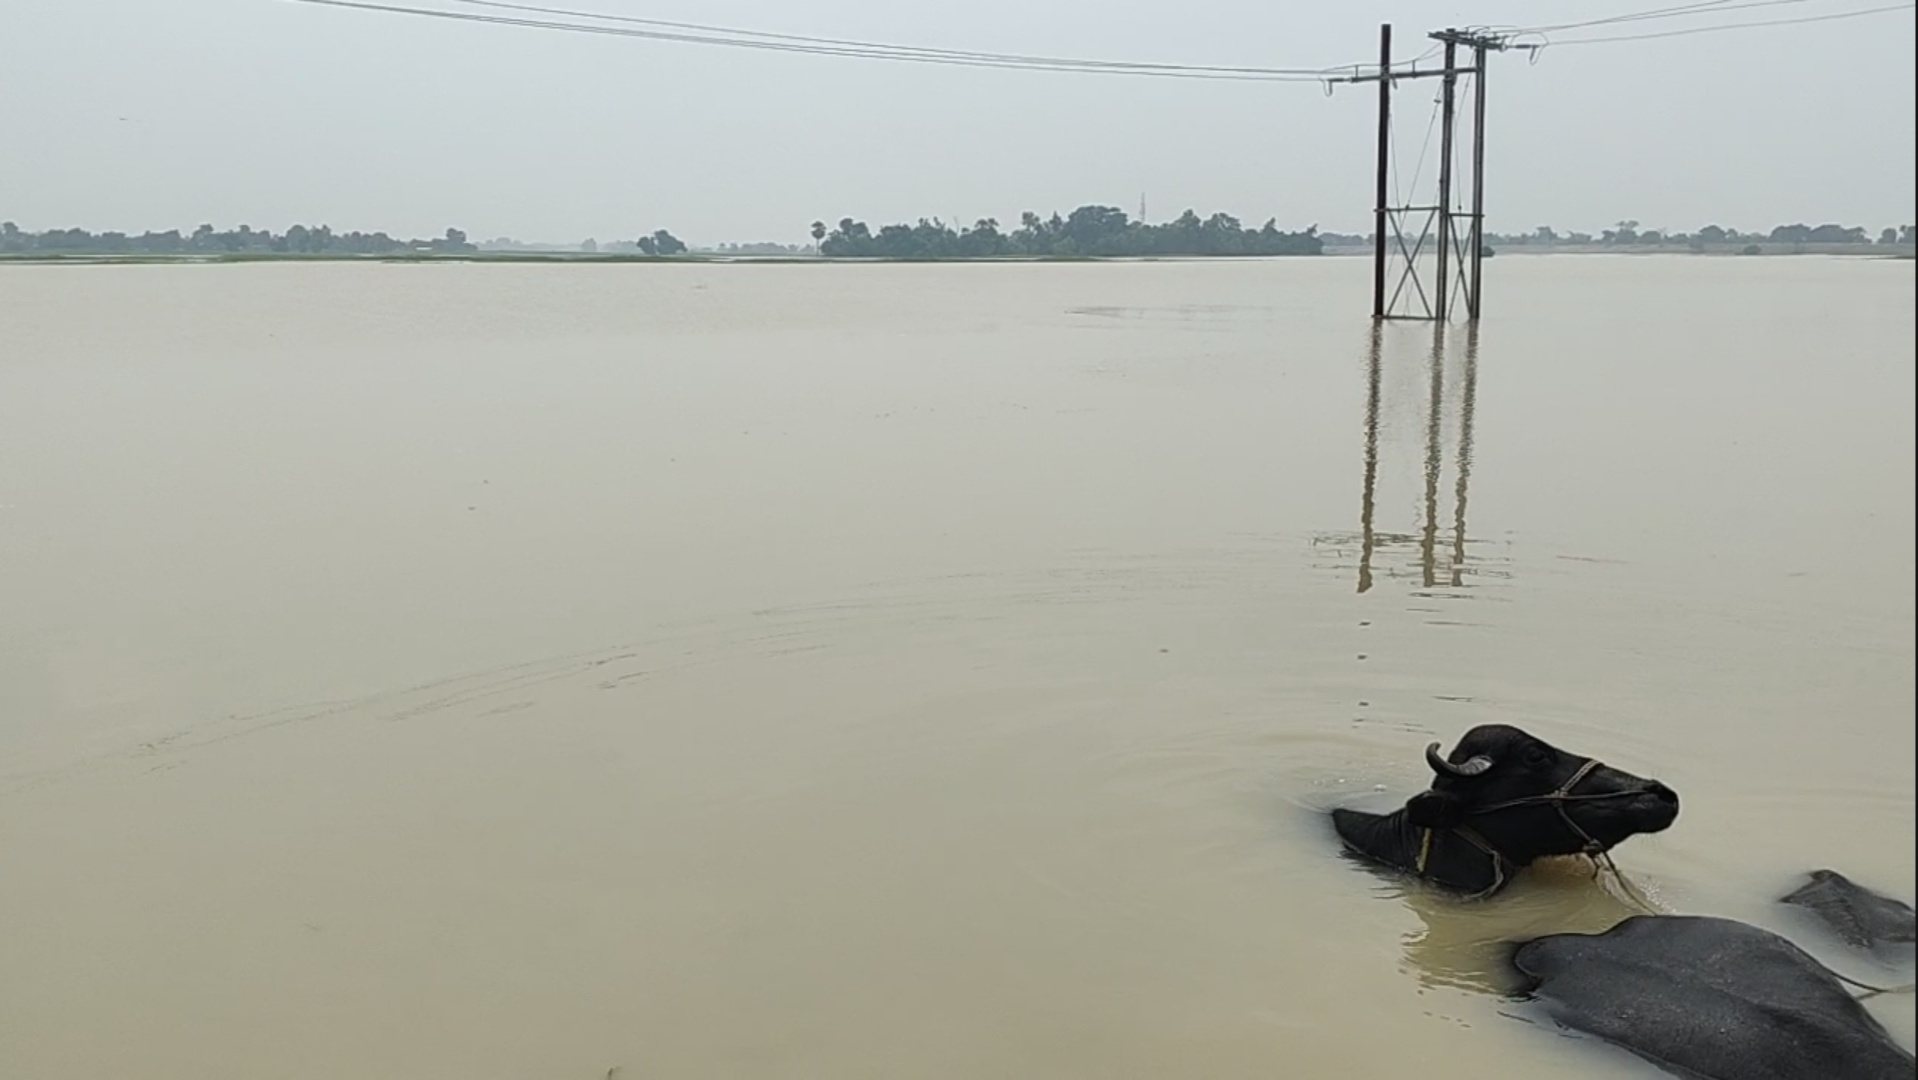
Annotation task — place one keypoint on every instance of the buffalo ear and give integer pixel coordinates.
(1434, 810)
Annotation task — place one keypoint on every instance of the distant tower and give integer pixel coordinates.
(1141, 207)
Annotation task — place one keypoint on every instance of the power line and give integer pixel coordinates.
(1720, 27)
(1425, 144)
(1705, 7)
(664, 30)
(717, 36)
(904, 50)
(1682, 11)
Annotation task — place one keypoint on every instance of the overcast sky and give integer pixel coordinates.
(135, 114)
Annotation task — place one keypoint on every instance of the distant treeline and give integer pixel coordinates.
(1629, 233)
(296, 240)
(764, 248)
(1088, 231)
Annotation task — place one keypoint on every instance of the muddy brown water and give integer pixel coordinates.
(907, 671)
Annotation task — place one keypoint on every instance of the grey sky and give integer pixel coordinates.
(134, 114)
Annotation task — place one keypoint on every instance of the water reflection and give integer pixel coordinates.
(1467, 944)
(1368, 506)
(1449, 385)
(1468, 409)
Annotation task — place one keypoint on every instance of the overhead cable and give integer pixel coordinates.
(1721, 27)
(830, 47)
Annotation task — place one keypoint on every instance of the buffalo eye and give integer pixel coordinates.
(1537, 755)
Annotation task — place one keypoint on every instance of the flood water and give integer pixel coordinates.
(528, 672)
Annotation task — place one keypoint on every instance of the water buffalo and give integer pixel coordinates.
(1710, 999)
(1858, 915)
(1503, 799)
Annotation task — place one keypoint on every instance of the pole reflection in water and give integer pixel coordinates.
(1369, 505)
(1468, 404)
(1434, 458)
(1449, 384)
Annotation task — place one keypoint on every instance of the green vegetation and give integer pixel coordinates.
(661, 243)
(297, 240)
(1089, 231)
(1629, 233)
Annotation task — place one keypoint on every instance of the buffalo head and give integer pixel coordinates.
(1530, 799)
(1500, 800)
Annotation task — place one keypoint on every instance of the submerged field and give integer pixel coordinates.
(521, 671)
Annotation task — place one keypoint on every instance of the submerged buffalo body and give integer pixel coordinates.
(1501, 800)
(1712, 999)
(1858, 915)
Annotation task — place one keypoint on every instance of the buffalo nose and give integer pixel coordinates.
(1664, 793)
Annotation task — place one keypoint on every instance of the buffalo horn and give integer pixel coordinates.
(1473, 766)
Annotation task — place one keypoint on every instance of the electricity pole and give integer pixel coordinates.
(1460, 240)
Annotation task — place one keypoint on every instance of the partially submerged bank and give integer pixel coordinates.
(586, 258)
(142, 258)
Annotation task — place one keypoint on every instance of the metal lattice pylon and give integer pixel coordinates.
(1402, 230)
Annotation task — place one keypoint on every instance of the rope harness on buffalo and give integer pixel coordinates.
(1499, 862)
(1871, 991)
(1590, 846)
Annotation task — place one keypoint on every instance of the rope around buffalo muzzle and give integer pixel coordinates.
(1591, 847)
(1602, 864)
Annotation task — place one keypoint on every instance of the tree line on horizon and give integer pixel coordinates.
(1089, 231)
(205, 240)
(1628, 233)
